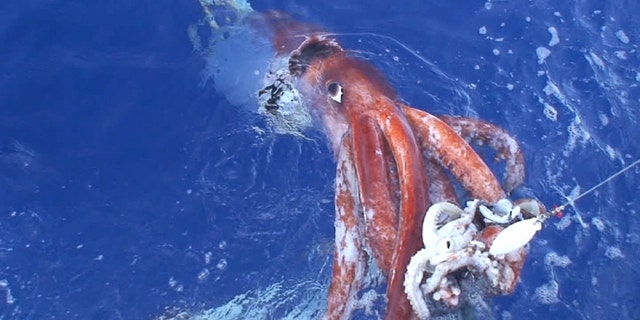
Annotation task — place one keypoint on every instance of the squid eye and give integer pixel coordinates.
(335, 92)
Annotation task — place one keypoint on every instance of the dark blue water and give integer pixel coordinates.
(128, 184)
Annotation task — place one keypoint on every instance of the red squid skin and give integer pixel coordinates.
(391, 160)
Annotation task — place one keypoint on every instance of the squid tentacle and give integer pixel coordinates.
(478, 131)
(440, 185)
(376, 190)
(349, 265)
(413, 202)
(446, 145)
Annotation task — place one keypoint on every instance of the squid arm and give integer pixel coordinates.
(447, 146)
(350, 258)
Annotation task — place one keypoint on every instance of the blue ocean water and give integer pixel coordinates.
(130, 185)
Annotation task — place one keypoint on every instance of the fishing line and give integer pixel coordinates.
(556, 210)
(559, 209)
(520, 233)
(392, 39)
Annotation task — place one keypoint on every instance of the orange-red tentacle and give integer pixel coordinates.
(412, 184)
(350, 258)
(479, 131)
(446, 145)
(440, 186)
(372, 160)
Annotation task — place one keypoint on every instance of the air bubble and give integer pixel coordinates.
(203, 274)
(222, 264)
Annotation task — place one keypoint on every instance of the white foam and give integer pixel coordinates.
(203, 275)
(598, 223)
(611, 152)
(594, 59)
(622, 55)
(552, 259)
(222, 264)
(622, 36)
(175, 285)
(564, 223)
(554, 36)
(308, 300)
(543, 53)
(550, 112)
(604, 120)
(548, 293)
(576, 134)
(9, 298)
(614, 253)
(550, 89)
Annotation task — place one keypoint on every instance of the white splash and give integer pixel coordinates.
(550, 112)
(613, 253)
(542, 53)
(622, 36)
(553, 259)
(9, 298)
(554, 36)
(548, 293)
(304, 300)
